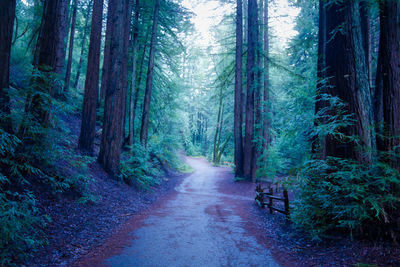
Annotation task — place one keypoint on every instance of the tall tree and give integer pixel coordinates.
(238, 109)
(149, 81)
(63, 26)
(7, 16)
(248, 161)
(132, 106)
(83, 44)
(389, 84)
(266, 110)
(50, 56)
(347, 78)
(71, 46)
(106, 60)
(111, 138)
(124, 74)
(88, 125)
(366, 36)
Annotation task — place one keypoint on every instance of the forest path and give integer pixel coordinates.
(198, 225)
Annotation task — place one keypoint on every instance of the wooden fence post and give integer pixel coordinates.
(271, 191)
(286, 197)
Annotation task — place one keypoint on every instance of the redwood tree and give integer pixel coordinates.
(71, 46)
(248, 161)
(149, 81)
(7, 16)
(238, 114)
(347, 79)
(88, 125)
(133, 96)
(106, 60)
(51, 47)
(111, 138)
(83, 44)
(266, 119)
(389, 60)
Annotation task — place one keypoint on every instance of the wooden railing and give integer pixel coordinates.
(267, 199)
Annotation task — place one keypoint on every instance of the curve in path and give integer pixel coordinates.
(199, 226)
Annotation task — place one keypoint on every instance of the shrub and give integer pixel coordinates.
(20, 226)
(343, 194)
(20, 222)
(138, 169)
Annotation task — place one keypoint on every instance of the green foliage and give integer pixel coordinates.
(138, 169)
(39, 157)
(343, 194)
(20, 226)
(18, 212)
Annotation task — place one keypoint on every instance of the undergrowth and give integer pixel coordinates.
(343, 194)
(35, 158)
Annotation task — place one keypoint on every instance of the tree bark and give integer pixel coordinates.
(149, 81)
(258, 125)
(111, 138)
(7, 17)
(83, 45)
(132, 106)
(366, 37)
(348, 79)
(238, 108)
(106, 60)
(124, 74)
(389, 59)
(71, 47)
(251, 87)
(88, 124)
(50, 57)
(266, 111)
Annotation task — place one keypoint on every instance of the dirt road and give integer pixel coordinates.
(197, 225)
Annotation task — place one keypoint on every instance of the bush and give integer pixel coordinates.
(20, 226)
(37, 158)
(20, 222)
(138, 169)
(343, 194)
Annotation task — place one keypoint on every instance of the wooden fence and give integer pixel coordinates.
(267, 199)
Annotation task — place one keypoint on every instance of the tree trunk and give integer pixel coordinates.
(111, 138)
(389, 59)
(266, 110)
(81, 58)
(257, 143)
(251, 87)
(217, 131)
(88, 124)
(124, 74)
(7, 16)
(71, 47)
(132, 107)
(149, 81)
(50, 57)
(238, 109)
(348, 80)
(366, 37)
(106, 60)
(63, 32)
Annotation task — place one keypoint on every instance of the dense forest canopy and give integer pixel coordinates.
(306, 93)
